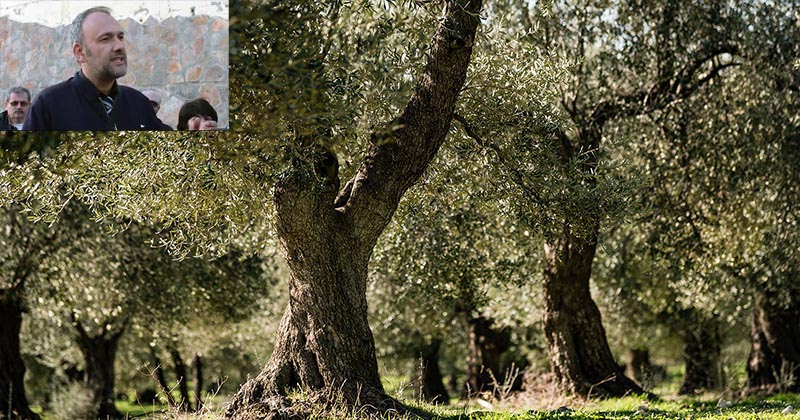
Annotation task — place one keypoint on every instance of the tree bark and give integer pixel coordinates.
(99, 352)
(324, 342)
(13, 402)
(642, 370)
(433, 389)
(774, 361)
(486, 345)
(180, 375)
(197, 364)
(639, 366)
(579, 353)
(159, 372)
(702, 355)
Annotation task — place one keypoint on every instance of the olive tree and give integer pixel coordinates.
(285, 166)
(633, 58)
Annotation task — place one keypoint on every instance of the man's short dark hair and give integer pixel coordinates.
(195, 108)
(76, 32)
(18, 89)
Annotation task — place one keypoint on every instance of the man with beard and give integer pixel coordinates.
(92, 99)
(18, 100)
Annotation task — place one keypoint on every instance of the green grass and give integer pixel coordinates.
(530, 407)
(134, 409)
(629, 408)
(398, 386)
(131, 410)
(634, 408)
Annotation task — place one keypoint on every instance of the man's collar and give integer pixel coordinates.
(89, 90)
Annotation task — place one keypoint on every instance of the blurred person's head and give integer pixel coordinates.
(154, 97)
(17, 103)
(197, 114)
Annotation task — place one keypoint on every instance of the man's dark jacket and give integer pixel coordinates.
(75, 105)
(5, 122)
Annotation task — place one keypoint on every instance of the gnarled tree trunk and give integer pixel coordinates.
(13, 401)
(774, 361)
(324, 339)
(324, 342)
(433, 389)
(486, 345)
(99, 352)
(579, 353)
(702, 353)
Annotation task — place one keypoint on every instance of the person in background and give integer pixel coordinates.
(92, 99)
(197, 114)
(155, 101)
(154, 97)
(18, 101)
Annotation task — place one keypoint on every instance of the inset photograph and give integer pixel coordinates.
(116, 65)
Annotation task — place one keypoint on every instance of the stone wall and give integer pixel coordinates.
(182, 57)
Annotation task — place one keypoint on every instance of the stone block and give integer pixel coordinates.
(173, 78)
(166, 35)
(219, 25)
(211, 94)
(193, 74)
(199, 43)
(187, 91)
(217, 73)
(174, 67)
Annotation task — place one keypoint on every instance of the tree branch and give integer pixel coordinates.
(403, 148)
(517, 176)
(82, 333)
(666, 91)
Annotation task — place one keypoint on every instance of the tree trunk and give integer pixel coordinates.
(324, 343)
(486, 345)
(159, 372)
(13, 402)
(324, 340)
(639, 366)
(642, 370)
(433, 389)
(198, 382)
(774, 361)
(579, 354)
(99, 352)
(180, 375)
(702, 354)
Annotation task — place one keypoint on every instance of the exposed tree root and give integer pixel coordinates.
(260, 400)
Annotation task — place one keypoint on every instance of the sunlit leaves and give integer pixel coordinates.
(722, 222)
(203, 194)
(452, 252)
(330, 71)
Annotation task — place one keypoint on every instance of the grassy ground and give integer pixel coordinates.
(630, 408)
(540, 405)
